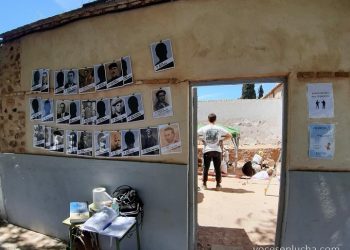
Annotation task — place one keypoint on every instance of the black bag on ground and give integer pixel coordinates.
(130, 204)
(83, 240)
(248, 169)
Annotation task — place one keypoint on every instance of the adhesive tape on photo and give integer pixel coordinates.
(98, 196)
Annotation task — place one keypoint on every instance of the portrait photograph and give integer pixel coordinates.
(35, 108)
(114, 74)
(88, 112)
(36, 81)
(59, 80)
(102, 143)
(45, 78)
(48, 137)
(86, 80)
(103, 111)
(71, 81)
(170, 140)
(127, 70)
(162, 55)
(100, 77)
(134, 108)
(57, 142)
(118, 112)
(131, 142)
(74, 112)
(116, 144)
(149, 141)
(72, 142)
(62, 111)
(162, 104)
(39, 136)
(47, 107)
(85, 143)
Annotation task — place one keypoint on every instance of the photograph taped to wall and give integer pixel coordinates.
(36, 81)
(320, 100)
(103, 111)
(131, 142)
(86, 80)
(57, 142)
(62, 111)
(39, 136)
(47, 110)
(114, 74)
(102, 144)
(127, 70)
(116, 144)
(162, 55)
(149, 141)
(71, 82)
(88, 112)
(100, 77)
(321, 141)
(72, 142)
(59, 78)
(74, 112)
(45, 80)
(162, 103)
(170, 140)
(134, 108)
(85, 143)
(35, 108)
(118, 112)
(48, 137)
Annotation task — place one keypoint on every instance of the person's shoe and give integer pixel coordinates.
(204, 186)
(218, 187)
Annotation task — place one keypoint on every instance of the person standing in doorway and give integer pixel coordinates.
(212, 135)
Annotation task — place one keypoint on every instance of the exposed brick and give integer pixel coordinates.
(324, 74)
(306, 74)
(341, 74)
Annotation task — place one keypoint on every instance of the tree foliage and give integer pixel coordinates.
(248, 91)
(261, 92)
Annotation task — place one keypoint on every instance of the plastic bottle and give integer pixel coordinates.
(115, 206)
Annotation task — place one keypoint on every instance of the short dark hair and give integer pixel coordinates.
(160, 91)
(113, 65)
(129, 137)
(212, 117)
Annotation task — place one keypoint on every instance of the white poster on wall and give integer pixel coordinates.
(321, 141)
(320, 100)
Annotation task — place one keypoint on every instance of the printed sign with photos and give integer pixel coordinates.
(74, 112)
(162, 55)
(162, 103)
(86, 80)
(102, 144)
(35, 108)
(72, 142)
(88, 112)
(48, 137)
(71, 82)
(131, 142)
(149, 141)
(57, 142)
(45, 77)
(59, 82)
(170, 140)
(100, 77)
(118, 112)
(321, 141)
(134, 108)
(320, 100)
(47, 107)
(62, 111)
(85, 143)
(116, 144)
(39, 136)
(127, 70)
(36, 81)
(103, 111)
(114, 74)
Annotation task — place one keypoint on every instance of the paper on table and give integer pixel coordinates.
(119, 227)
(101, 220)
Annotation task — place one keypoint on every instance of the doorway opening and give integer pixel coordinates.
(245, 212)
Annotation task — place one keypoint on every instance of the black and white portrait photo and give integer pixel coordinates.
(59, 82)
(149, 141)
(47, 107)
(103, 111)
(102, 144)
(114, 74)
(118, 112)
(134, 108)
(86, 80)
(71, 82)
(35, 108)
(170, 140)
(48, 137)
(162, 55)
(74, 112)
(85, 143)
(131, 142)
(116, 144)
(39, 136)
(62, 111)
(57, 142)
(88, 112)
(36, 80)
(100, 77)
(127, 70)
(162, 104)
(45, 77)
(72, 142)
